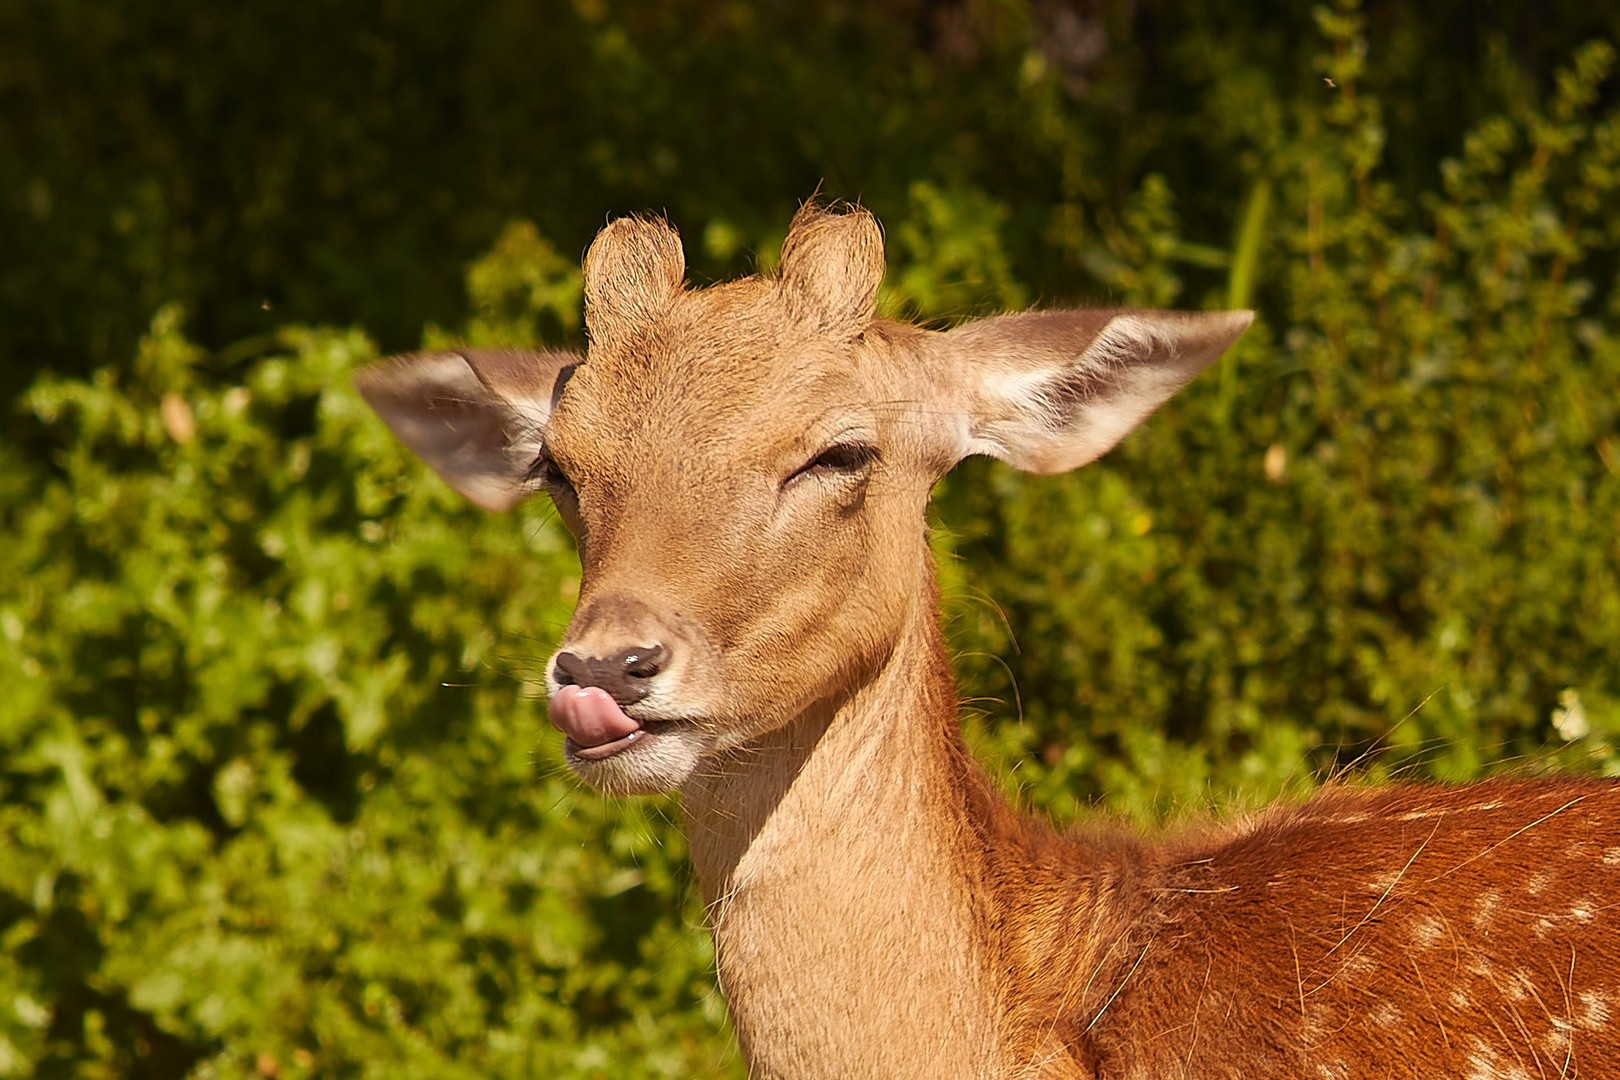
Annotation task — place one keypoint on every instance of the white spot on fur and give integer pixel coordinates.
(1486, 806)
(1577, 850)
(1384, 882)
(1386, 1014)
(1484, 1063)
(1556, 1043)
(1611, 856)
(1485, 909)
(1520, 986)
(1419, 815)
(1582, 911)
(1459, 1000)
(1334, 1071)
(1544, 927)
(1426, 930)
(1360, 964)
(1538, 883)
(1309, 1027)
(1595, 1009)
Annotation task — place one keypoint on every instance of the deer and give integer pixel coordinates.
(745, 469)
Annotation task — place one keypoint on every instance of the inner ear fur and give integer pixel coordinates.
(633, 270)
(832, 265)
(1049, 391)
(473, 415)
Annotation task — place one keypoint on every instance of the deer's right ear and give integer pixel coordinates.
(474, 416)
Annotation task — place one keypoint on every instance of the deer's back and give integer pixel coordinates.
(1410, 931)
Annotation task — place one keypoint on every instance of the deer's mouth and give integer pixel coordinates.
(597, 727)
(649, 731)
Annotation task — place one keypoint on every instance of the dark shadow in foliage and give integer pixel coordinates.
(323, 765)
(68, 952)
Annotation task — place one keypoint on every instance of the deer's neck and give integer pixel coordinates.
(860, 875)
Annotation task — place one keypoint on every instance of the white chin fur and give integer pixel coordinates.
(650, 767)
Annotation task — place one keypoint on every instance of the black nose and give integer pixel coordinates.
(623, 675)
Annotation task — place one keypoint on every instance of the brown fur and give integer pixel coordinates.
(878, 911)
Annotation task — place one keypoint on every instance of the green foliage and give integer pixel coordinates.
(1392, 522)
(278, 795)
(343, 162)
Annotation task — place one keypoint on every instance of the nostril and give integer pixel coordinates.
(645, 662)
(626, 675)
(570, 670)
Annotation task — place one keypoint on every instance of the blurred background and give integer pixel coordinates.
(277, 795)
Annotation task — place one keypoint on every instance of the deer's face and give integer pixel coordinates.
(745, 468)
(747, 501)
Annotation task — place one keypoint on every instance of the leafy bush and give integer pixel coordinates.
(266, 164)
(1390, 519)
(278, 798)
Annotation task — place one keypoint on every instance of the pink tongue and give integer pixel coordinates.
(589, 716)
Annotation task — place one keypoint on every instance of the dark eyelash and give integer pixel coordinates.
(846, 458)
(543, 471)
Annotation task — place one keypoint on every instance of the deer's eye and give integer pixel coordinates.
(545, 472)
(846, 459)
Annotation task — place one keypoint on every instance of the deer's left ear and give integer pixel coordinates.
(474, 415)
(1048, 391)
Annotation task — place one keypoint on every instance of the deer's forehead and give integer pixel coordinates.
(695, 406)
(733, 378)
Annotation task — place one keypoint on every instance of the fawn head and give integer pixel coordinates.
(745, 467)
